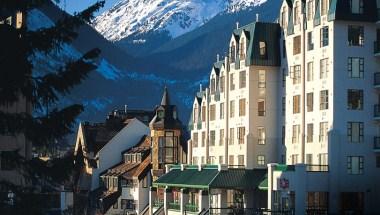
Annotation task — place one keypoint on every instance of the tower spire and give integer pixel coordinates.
(165, 97)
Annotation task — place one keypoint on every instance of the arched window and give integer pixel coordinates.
(296, 14)
(195, 114)
(242, 48)
(263, 49)
(212, 84)
(284, 17)
(160, 114)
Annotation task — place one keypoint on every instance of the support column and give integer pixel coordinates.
(203, 200)
(270, 202)
(184, 199)
(300, 189)
(152, 198)
(168, 197)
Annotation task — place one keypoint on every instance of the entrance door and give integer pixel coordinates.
(352, 203)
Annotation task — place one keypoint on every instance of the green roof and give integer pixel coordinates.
(188, 178)
(284, 167)
(239, 179)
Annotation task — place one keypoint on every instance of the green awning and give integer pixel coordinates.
(188, 178)
(241, 179)
(264, 184)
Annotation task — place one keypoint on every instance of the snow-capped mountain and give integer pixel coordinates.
(175, 17)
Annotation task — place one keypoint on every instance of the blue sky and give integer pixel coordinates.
(75, 5)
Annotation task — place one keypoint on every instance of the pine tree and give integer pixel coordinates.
(48, 121)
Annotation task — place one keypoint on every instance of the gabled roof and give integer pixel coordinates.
(341, 10)
(239, 179)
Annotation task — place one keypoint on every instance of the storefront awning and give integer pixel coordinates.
(190, 177)
(241, 179)
(264, 184)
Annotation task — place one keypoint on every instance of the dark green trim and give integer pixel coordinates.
(284, 168)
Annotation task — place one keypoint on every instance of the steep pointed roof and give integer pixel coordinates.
(165, 97)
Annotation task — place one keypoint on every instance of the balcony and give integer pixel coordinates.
(376, 112)
(317, 168)
(376, 144)
(174, 206)
(191, 208)
(376, 48)
(376, 80)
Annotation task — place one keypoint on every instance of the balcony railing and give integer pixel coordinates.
(376, 47)
(158, 203)
(376, 79)
(174, 206)
(376, 143)
(317, 168)
(376, 111)
(191, 208)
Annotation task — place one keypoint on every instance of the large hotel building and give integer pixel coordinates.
(300, 98)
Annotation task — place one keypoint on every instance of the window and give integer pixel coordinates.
(324, 68)
(284, 17)
(221, 110)
(232, 130)
(357, 6)
(317, 200)
(6, 160)
(242, 79)
(242, 49)
(232, 109)
(241, 135)
(203, 138)
(294, 159)
(212, 160)
(127, 204)
(355, 67)
(310, 131)
(241, 160)
(262, 82)
(195, 160)
(355, 35)
(220, 159)
(261, 160)
(324, 6)
(261, 135)
(309, 159)
(145, 181)
(355, 132)
(195, 114)
(297, 13)
(310, 41)
(231, 160)
(202, 160)
(263, 50)
(221, 137)
(310, 10)
(261, 107)
(168, 148)
(232, 52)
(322, 131)
(324, 36)
(222, 83)
(323, 159)
(355, 99)
(283, 135)
(309, 102)
(213, 85)
(296, 104)
(310, 71)
(232, 82)
(283, 77)
(296, 133)
(355, 165)
(203, 113)
(212, 138)
(283, 105)
(212, 112)
(295, 73)
(324, 100)
(241, 107)
(195, 140)
(296, 45)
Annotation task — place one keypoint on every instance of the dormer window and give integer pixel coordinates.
(325, 6)
(160, 114)
(195, 114)
(297, 12)
(242, 48)
(357, 6)
(212, 85)
(232, 52)
(284, 17)
(263, 49)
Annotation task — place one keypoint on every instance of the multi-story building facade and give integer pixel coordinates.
(234, 120)
(329, 68)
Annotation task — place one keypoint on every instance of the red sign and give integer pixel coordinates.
(284, 183)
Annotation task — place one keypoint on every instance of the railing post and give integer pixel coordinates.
(168, 197)
(184, 200)
(152, 197)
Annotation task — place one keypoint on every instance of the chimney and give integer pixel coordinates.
(200, 88)
(237, 25)
(125, 109)
(217, 58)
(257, 17)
